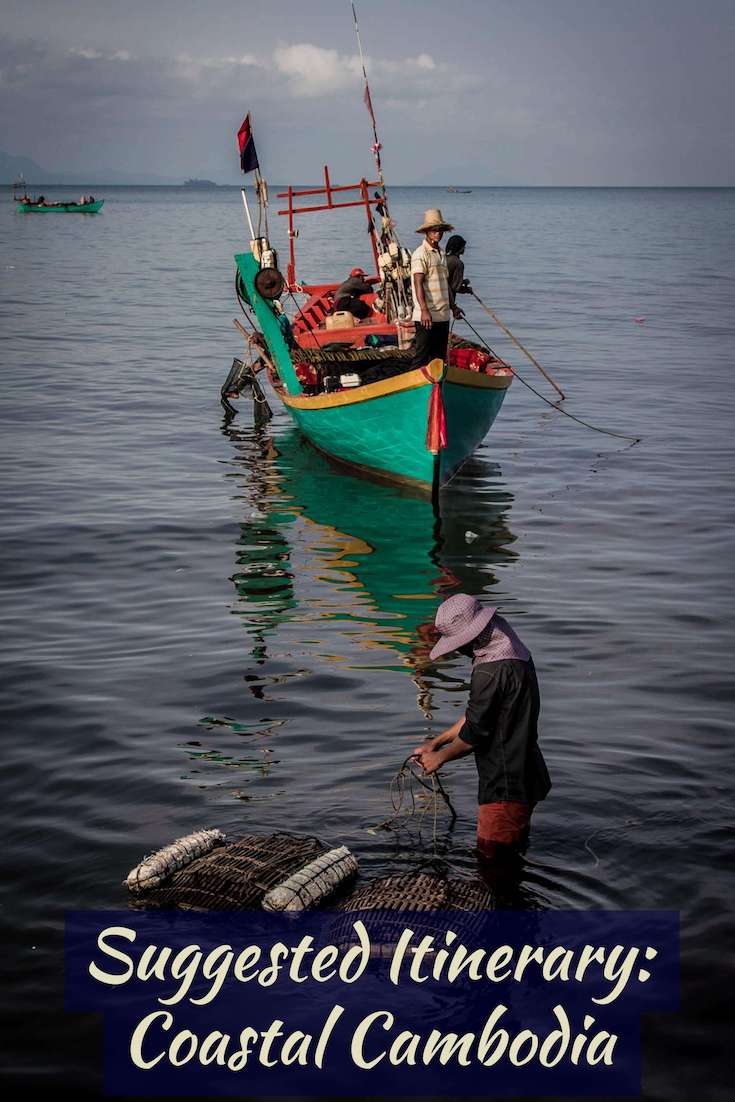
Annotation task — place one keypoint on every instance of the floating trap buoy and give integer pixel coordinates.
(313, 884)
(156, 868)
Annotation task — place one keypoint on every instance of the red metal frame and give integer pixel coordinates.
(329, 190)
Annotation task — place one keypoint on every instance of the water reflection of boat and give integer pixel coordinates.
(357, 551)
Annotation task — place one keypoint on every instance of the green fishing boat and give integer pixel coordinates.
(349, 383)
(32, 207)
(342, 362)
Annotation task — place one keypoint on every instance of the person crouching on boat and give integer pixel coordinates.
(348, 294)
(431, 300)
(458, 285)
(499, 726)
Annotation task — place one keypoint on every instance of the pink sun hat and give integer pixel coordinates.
(459, 620)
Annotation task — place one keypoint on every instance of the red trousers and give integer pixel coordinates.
(505, 824)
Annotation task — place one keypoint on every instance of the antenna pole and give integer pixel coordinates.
(247, 213)
(369, 104)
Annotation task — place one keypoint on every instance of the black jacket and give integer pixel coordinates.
(353, 287)
(501, 725)
(455, 275)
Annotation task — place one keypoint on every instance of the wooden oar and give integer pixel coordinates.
(515, 340)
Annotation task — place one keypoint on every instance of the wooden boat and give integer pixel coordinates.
(61, 208)
(460, 190)
(354, 396)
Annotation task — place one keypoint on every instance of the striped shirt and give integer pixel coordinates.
(432, 264)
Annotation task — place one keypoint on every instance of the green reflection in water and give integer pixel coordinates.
(320, 545)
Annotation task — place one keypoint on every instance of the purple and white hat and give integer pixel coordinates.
(459, 620)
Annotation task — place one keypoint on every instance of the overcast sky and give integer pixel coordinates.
(467, 91)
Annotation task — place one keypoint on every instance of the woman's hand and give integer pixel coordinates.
(429, 760)
(435, 743)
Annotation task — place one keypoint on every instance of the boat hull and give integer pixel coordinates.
(62, 208)
(381, 428)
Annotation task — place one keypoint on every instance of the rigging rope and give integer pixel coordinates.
(392, 284)
(518, 344)
(401, 790)
(586, 424)
(368, 102)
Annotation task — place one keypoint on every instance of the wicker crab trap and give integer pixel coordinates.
(205, 871)
(435, 903)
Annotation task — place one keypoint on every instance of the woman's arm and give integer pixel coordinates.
(431, 760)
(440, 740)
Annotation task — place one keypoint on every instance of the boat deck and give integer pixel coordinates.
(310, 328)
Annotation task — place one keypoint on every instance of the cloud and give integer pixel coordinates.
(313, 71)
(96, 55)
(203, 68)
(85, 74)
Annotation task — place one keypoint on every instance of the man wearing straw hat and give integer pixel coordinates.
(431, 301)
(499, 726)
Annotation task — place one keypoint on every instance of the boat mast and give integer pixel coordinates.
(377, 146)
(396, 301)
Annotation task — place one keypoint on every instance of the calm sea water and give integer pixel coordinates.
(205, 625)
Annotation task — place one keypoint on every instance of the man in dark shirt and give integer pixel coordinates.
(347, 295)
(458, 285)
(499, 726)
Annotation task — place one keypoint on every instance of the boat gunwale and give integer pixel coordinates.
(383, 388)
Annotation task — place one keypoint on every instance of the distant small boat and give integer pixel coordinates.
(460, 190)
(61, 208)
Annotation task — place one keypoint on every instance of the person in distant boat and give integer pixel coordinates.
(458, 285)
(431, 301)
(348, 294)
(500, 725)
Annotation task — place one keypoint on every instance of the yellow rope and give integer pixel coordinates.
(518, 344)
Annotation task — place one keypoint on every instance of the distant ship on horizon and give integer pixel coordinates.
(194, 182)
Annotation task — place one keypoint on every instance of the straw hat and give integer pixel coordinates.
(433, 220)
(459, 620)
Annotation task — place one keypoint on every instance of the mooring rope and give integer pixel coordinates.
(518, 344)
(586, 424)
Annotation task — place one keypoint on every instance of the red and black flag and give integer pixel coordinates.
(248, 156)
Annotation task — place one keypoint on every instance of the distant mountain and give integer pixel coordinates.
(12, 166)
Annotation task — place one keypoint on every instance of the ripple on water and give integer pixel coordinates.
(207, 626)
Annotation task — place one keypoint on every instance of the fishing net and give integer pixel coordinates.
(346, 354)
(366, 356)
